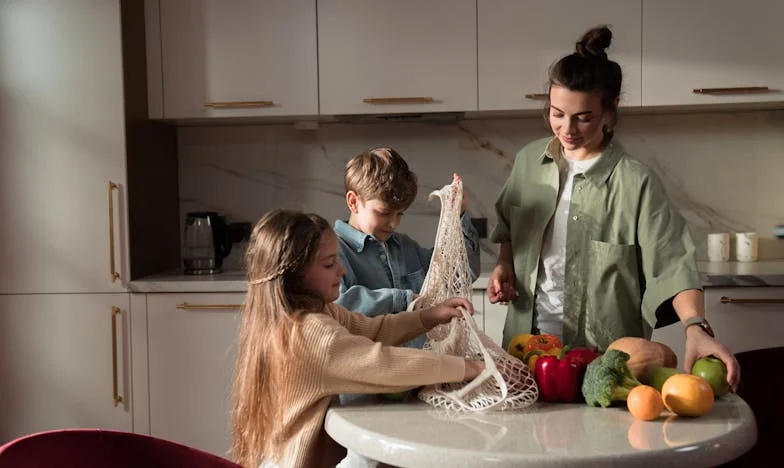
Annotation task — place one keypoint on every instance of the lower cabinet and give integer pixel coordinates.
(477, 299)
(191, 353)
(495, 318)
(64, 363)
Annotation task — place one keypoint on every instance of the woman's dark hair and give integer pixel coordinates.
(589, 70)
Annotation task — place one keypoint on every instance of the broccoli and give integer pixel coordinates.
(608, 379)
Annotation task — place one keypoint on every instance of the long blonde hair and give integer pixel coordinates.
(282, 245)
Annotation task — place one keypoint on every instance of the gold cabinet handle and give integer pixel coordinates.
(400, 100)
(187, 306)
(113, 274)
(730, 300)
(239, 104)
(115, 384)
(737, 90)
(537, 96)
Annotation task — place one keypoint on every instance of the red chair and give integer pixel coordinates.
(96, 448)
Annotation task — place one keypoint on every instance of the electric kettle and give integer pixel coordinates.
(207, 241)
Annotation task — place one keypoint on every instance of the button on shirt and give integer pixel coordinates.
(382, 277)
(627, 251)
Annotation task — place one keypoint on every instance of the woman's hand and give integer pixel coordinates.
(500, 286)
(445, 311)
(699, 345)
(473, 369)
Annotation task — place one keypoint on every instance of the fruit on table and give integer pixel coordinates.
(657, 376)
(543, 342)
(644, 402)
(645, 354)
(687, 395)
(714, 371)
(517, 345)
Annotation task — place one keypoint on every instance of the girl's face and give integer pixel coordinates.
(577, 120)
(322, 275)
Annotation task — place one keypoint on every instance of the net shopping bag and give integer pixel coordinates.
(506, 383)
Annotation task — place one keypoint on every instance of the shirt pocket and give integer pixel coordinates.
(414, 280)
(613, 295)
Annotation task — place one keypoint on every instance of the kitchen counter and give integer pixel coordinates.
(712, 274)
(414, 434)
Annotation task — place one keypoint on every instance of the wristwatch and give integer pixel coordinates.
(701, 322)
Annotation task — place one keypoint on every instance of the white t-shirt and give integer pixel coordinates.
(550, 280)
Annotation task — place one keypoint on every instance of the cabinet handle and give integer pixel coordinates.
(113, 274)
(239, 104)
(730, 300)
(737, 90)
(399, 100)
(115, 390)
(187, 306)
(537, 96)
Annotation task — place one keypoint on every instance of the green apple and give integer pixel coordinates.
(714, 371)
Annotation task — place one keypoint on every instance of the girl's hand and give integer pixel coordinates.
(500, 286)
(445, 311)
(699, 345)
(473, 369)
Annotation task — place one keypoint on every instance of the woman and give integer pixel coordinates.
(590, 248)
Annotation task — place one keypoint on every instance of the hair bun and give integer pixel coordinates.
(594, 42)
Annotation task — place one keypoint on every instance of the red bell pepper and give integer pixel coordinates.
(561, 379)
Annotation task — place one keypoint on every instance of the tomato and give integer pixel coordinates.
(714, 371)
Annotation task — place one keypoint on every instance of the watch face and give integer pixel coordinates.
(706, 326)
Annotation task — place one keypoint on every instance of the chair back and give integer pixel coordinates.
(94, 448)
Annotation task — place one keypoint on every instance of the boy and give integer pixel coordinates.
(385, 270)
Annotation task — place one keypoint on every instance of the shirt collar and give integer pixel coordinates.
(355, 238)
(599, 173)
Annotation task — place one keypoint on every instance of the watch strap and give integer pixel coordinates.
(701, 322)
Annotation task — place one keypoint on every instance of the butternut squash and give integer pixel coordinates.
(644, 354)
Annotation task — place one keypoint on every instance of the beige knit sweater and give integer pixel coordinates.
(346, 352)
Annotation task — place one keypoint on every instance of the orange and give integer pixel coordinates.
(644, 402)
(687, 395)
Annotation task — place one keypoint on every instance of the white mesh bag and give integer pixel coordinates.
(506, 383)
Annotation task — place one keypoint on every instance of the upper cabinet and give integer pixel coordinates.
(243, 58)
(518, 44)
(712, 51)
(62, 148)
(377, 56)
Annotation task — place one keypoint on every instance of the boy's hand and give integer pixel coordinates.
(473, 369)
(500, 286)
(445, 311)
(455, 180)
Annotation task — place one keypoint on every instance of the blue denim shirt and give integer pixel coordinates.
(382, 277)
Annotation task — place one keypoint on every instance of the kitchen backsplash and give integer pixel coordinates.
(723, 171)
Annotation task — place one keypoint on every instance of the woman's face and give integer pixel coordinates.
(577, 120)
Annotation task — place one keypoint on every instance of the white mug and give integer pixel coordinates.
(747, 246)
(719, 247)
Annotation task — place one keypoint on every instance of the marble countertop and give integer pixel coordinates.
(712, 274)
(414, 434)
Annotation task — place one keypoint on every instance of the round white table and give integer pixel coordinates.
(414, 434)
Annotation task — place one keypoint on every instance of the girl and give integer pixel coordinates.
(297, 349)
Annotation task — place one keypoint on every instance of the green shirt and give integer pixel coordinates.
(627, 251)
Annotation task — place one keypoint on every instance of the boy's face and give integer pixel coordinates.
(373, 217)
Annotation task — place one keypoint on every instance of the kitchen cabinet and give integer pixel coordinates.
(243, 58)
(191, 352)
(477, 299)
(64, 363)
(62, 136)
(720, 46)
(517, 44)
(377, 56)
(743, 318)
